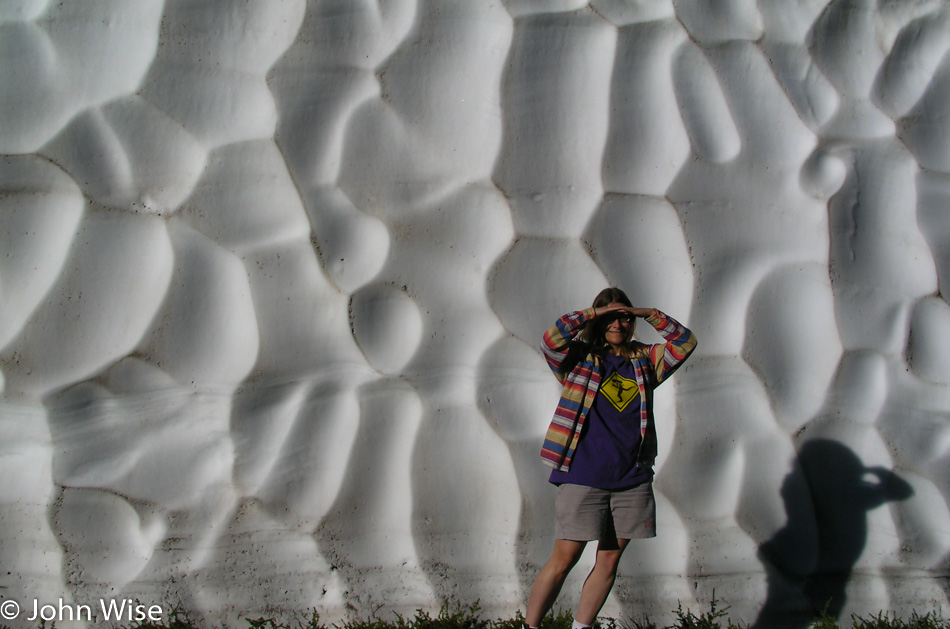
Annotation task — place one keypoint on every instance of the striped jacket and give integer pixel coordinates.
(580, 386)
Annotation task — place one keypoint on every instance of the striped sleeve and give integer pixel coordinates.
(680, 343)
(557, 338)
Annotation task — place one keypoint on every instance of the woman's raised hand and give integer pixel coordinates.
(613, 308)
(641, 312)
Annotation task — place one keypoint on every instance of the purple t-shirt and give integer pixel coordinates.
(606, 456)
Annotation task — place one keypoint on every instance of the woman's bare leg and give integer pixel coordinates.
(547, 585)
(599, 582)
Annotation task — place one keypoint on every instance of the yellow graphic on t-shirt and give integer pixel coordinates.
(619, 391)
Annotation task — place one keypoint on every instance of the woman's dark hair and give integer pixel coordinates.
(591, 338)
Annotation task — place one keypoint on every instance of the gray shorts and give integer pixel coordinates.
(585, 514)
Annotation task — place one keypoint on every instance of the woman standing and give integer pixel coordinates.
(602, 441)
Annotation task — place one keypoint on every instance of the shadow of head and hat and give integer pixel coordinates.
(827, 497)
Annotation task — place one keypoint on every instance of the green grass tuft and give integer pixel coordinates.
(711, 619)
(930, 620)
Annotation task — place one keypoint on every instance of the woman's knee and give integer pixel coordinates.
(565, 556)
(607, 561)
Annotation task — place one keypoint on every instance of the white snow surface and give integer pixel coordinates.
(273, 277)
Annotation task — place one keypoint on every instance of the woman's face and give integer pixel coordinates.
(617, 331)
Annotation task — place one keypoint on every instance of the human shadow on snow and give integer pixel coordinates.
(827, 495)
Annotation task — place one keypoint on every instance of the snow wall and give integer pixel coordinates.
(274, 276)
